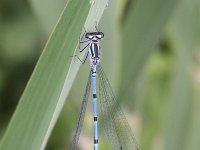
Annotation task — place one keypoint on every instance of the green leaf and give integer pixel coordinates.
(49, 85)
(48, 11)
(142, 26)
(182, 122)
(178, 109)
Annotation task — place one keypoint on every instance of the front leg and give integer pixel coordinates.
(85, 58)
(80, 50)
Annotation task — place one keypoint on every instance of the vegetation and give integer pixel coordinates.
(150, 54)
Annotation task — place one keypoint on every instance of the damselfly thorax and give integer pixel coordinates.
(93, 47)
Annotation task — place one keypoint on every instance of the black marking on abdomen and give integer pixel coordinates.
(94, 95)
(95, 118)
(95, 141)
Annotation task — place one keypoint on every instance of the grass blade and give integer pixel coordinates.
(142, 28)
(42, 100)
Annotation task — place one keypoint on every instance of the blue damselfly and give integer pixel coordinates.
(114, 122)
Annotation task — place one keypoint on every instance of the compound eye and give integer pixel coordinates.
(88, 36)
(100, 35)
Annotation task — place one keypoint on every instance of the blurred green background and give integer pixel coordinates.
(161, 101)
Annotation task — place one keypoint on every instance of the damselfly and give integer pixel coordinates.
(114, 122)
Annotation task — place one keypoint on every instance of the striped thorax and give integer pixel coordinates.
(94, 48)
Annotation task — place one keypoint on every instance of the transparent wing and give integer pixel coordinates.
(115, 124)
(81, 115)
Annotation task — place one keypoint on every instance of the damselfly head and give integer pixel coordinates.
(94, 35)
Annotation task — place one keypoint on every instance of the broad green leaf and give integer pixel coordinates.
(182, 122)
(110, 45)
(48, 11)
(49, 85)
(143, 24)
(193, 136)
(178, 108)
